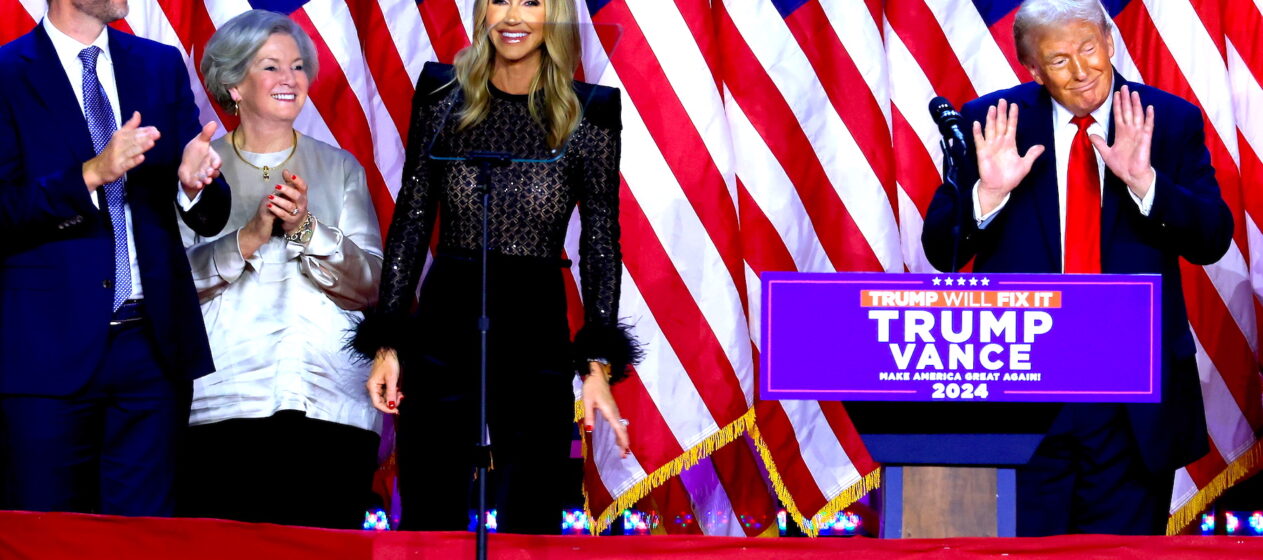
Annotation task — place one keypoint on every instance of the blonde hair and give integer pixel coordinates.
(560, 112)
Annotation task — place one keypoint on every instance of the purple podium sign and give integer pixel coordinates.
(855, 336)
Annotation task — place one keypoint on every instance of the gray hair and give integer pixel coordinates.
(232, 47)
(1037, 14)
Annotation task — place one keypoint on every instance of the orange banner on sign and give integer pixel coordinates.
(1024, 299)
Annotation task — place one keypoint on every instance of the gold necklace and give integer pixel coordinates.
(266, 169)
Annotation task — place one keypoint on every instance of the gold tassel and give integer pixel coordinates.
(690, 457)
(847, 497)
(1245, 465)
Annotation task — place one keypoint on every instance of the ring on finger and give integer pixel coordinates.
(625, 422)
(294, 212)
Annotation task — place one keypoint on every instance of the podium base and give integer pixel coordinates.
(940, 502)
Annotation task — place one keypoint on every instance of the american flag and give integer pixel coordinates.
(782, 135)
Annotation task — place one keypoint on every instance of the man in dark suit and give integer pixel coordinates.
(100, 330)
(1115, 178)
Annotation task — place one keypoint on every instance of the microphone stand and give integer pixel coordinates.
(951, 152)
(485, 161)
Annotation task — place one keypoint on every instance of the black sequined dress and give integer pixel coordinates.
(532, 360)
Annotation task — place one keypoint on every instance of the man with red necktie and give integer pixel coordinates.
(1088, 184)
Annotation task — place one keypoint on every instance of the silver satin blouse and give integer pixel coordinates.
(278, 321)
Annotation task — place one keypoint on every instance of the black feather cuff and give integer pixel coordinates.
(377, 331)
(614, 343)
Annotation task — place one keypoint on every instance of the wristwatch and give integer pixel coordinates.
(304, 232)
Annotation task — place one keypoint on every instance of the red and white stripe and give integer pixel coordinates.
(758, 142)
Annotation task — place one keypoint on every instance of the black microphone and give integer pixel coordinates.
(947, 119)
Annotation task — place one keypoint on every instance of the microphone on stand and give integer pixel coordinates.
(947, 119)
(954, 151)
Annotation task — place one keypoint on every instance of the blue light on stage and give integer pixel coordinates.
(1255, 523)
(638, 522)
(844, 523)
(782, 521)
(491, 522)
(1231, 522)
(1208, 524)
(377, 520)
(574, 522)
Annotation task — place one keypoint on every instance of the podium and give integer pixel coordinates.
(952, 380)
(951, 476)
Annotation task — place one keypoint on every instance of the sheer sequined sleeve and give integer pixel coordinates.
(598, 144)
(387, 325)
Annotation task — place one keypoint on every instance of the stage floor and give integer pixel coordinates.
(45, 536)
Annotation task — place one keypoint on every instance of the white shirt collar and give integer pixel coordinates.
(68, 48)
(1101, 115)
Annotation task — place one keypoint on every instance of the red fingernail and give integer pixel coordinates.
(587, 429)
(390, 404)
(278, 187)
(269, 205)
(270, 197)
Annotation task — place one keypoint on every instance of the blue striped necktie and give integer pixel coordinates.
(100, 116)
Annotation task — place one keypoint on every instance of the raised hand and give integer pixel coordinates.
(1128, 158)
(1000, 168)
(289, 201)
(125, 150)
(200, 164)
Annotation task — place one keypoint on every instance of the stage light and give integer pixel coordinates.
(1255, 523)
(782, 521)
(1231, 523)
(1208, 524)
(574, 522)
(844, 523)
(638, 522)
(683, 519)
(751, 522)
(491, 522)
(377, 520)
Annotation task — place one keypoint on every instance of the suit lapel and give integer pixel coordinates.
(51, 88)
(1044, 173)
(1114, 191)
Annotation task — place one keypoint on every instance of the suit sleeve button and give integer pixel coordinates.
(107, 284)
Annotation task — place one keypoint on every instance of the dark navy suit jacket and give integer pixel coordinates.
(56, 250)
(1189, 219)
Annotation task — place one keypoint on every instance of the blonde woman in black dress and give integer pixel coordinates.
(511, 91)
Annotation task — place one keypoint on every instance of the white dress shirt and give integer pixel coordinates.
(1064, 132)
(68, 49)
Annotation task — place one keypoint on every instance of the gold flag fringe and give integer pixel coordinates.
(690, 457)
(1245, 465)
(869, 482)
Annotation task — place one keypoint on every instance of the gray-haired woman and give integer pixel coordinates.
(282, 431)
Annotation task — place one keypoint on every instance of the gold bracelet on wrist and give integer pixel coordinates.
(304, 232)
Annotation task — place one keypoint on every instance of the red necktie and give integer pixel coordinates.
(1083, 204)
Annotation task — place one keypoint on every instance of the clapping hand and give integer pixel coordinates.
(125, 150)
(1000, 168)
(289, 201)
(1128, 158)
(200, 164)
